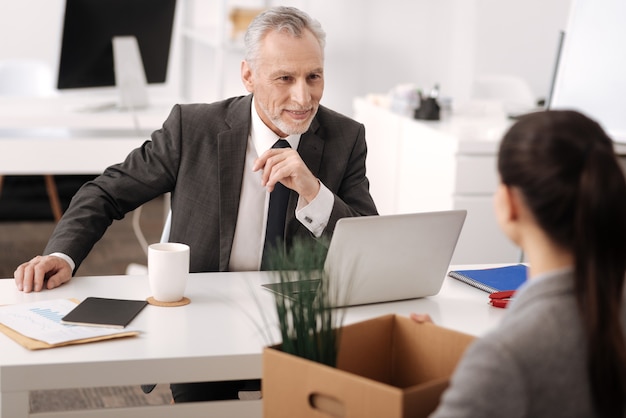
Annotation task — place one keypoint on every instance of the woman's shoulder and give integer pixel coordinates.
(543, 318)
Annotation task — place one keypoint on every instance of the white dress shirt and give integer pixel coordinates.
(254, 201)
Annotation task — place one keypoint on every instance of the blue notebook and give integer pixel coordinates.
(493, 279)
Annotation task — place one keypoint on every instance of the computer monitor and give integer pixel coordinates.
(89, 27)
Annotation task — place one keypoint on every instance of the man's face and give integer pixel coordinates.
(287, 81)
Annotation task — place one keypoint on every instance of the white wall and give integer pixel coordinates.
(372, 45)
(452, 41)
(419, 42)
(520, 38)
(31, 29)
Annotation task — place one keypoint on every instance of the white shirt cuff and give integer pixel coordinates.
(67, 258)
(316, 214)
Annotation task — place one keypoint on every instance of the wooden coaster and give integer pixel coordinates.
(184, 301)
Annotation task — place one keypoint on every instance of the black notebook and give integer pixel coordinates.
(493, 279)
(102, 312)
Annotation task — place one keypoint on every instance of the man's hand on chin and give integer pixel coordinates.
(284, 165)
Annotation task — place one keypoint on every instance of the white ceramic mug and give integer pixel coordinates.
(168, 269)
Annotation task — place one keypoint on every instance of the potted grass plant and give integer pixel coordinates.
(308, 324)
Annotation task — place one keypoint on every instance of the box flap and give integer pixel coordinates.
(422, 400)
(424, 352)
(365, 348)
(392, 349)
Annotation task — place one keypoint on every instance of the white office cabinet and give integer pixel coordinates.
(481, 180)
(426, 169)
(418, 166)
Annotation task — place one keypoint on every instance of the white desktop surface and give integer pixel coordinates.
(57, 135)
(216, 336)
(72, 111)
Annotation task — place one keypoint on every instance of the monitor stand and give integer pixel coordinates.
(130, 77)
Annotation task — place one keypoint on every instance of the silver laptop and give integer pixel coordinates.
(375, 259)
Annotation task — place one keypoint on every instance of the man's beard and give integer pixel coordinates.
(290, 128)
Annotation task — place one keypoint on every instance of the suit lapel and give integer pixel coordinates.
(311, 148)
(231, 159)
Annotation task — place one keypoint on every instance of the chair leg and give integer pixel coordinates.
(53, 196)
(1, 182)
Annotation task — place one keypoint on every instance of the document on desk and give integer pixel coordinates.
(41, 321)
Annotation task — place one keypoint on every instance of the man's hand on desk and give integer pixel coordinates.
(48, 271)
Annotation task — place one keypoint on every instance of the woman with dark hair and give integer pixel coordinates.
(561, 350)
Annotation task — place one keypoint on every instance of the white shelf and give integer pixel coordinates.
(209, 50)
(208, 36)
(205, 36)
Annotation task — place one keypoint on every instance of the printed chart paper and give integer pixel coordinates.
(42, 321)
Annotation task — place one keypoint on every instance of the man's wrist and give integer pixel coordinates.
(315, 214)
(315, 190)
(65, 257)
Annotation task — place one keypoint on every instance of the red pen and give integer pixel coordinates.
(501, 299)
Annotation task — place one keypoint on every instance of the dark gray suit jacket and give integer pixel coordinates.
(198, 155)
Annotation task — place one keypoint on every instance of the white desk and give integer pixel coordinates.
(55, 135)
(214, 337)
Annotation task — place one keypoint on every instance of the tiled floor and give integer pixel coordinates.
(91, 398)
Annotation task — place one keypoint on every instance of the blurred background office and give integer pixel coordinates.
(372, 45)
(469, 48)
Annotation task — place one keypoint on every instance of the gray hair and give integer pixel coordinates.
(280, 18)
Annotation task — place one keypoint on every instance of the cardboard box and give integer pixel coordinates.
(387, 367)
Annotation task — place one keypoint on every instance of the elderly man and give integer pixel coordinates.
(219, 163)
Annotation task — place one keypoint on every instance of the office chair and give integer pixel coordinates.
(140, 269)
(30, 78)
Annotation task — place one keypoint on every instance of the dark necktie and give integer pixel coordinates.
(276, 213)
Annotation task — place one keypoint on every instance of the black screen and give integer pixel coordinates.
(89, 27)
